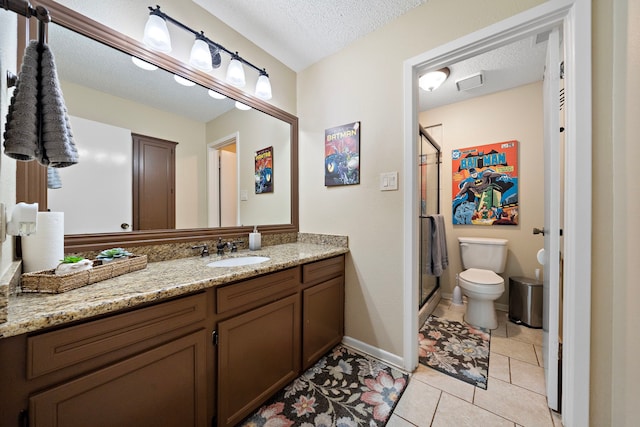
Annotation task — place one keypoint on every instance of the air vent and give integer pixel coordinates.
(471, 82)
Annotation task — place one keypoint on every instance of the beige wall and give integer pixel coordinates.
(512, 114)
(625, 338)
(364, 82)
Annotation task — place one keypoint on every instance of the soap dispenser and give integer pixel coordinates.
(255, 240)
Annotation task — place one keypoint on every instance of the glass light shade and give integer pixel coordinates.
(216, 95)
(183, 81)
(241, 106)
(143, 64)
(432, 80)
(200, 56)
(156, 34)
(235, 73)
(263, 87)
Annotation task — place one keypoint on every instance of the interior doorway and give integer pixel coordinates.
(222, 182)
(574, 18)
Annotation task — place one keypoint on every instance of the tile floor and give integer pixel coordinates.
(515, 396)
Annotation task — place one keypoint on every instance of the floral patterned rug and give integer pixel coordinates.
(456, 349)
(342, 389)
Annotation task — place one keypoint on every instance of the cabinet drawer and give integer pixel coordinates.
(255, 292)
(323, 270)
(69, 346)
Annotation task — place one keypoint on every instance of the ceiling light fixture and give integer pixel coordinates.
(433, 79)
(205, 53)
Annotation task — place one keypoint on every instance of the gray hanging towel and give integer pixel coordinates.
(53, 179)
(438, 258)
(21, 130)
(58, 148)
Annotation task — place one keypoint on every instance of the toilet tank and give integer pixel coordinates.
(483, 252)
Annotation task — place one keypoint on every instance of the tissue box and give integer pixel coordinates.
(47, 281)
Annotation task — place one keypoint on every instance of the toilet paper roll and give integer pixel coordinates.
(540, 256)
(44, 249)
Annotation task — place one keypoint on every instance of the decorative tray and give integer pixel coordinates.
(47, 281)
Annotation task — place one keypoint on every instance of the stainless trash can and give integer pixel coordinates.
(525, 301)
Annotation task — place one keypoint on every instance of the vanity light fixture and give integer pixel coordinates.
(143, 64)
(433, 79)
(215, 95)
(183, 81)
(205, 53)
(241, 106)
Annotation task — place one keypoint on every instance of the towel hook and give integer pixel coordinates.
(12, 79)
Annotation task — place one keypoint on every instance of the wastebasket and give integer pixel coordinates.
(525, 301)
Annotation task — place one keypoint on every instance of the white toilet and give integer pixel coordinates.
(482, 258)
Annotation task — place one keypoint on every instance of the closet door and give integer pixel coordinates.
(154, 181)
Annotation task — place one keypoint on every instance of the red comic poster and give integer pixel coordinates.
(485, 184)
(264, 171)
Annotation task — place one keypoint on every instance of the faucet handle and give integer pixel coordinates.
(205, 249)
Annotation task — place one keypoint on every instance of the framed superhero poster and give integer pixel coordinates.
(264, 171)
(485, 184)
(342, 155)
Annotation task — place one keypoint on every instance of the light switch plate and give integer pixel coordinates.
(244, 195)
(388, 181)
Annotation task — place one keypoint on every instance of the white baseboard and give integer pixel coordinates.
(500, 307)
(386, 357)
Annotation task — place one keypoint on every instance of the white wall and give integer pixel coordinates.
(363, 82)
(7, 165)
(515, 114)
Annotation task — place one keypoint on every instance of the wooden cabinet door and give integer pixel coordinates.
(258, 354)
(323, 319)
(164, 386)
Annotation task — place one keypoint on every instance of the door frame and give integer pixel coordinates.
(212, 176)
(575, 18)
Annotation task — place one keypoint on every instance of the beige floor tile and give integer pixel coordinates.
(557, 419)
(444, 382)
(525, 334)
(499, 367)
(396, 421)
(539, 356)
(514, 349)
(455, 314)
(528, 376)
(500, 331)
(514, 403)
(418, 403)
(454, 412)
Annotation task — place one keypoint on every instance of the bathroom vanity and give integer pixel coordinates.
(207, 350)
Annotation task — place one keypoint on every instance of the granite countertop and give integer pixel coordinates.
(29, 312)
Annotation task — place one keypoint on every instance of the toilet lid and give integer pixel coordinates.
(481, 277)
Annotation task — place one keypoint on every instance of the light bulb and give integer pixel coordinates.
(263, 87)
(432, 80)
(156, 34)
(143, 64)
(200, 56)
(183, 81)
(235, 73)
(241, 106)
(216, 95)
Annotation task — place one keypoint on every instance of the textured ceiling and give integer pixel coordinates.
(299, 32)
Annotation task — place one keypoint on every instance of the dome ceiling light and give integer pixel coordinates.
(433, 79)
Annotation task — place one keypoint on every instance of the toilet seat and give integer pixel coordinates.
(481, 282)
(481, 277)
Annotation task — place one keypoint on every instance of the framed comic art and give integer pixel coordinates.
(485, 184)
(264, 170)
(342, 155)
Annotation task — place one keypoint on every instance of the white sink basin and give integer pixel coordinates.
(238, 262)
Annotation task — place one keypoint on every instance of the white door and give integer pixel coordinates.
(552, 207)
(107, 206)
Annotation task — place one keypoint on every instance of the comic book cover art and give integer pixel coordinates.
(485, 184)
(264, 170)
(342, 155)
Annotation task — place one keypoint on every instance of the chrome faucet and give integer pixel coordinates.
(232, 245)
(205, 249)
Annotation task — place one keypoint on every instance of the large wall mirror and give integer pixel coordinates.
(161, 162)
